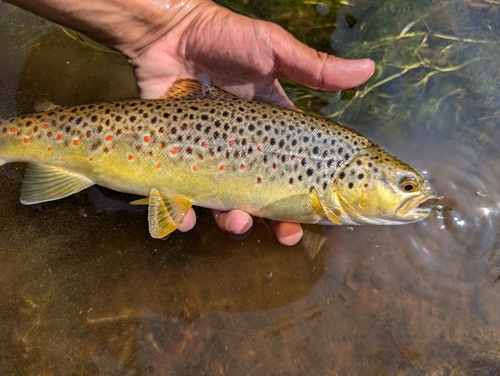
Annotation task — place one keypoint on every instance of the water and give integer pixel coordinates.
(85, 290)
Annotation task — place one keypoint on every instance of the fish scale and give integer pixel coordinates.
(202, 145)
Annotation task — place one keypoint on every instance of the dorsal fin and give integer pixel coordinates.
(185, 88)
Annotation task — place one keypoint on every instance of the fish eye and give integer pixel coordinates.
(408, 184)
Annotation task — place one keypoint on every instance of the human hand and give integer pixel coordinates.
(243, 56)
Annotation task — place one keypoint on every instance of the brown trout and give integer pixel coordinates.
(199, 145)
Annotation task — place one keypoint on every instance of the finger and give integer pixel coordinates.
(287, 233)
(234, 221)
(188, 222)
(317, 70)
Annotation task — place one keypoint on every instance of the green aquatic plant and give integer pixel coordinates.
(439, 54)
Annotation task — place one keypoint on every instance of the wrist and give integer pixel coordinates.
(126, 25)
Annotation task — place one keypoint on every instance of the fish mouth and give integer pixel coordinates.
(418, 207)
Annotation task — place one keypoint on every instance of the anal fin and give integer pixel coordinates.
(47, 183)
(165, 212)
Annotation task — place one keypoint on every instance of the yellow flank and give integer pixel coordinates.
(203, 146)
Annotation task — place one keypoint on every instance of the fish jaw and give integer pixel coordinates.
(412, 210)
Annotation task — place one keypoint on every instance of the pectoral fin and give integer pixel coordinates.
(165, 213)
(47, 183)
(326, 210)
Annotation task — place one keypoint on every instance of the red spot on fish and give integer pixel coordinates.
(59, 137)
(49, 148)
(45, 126)
(88, 134)
(292, 157)
(185, 127)
(195, 167)
(147, 139)
(242, 167)
(259, 180)
(13, 129)
(231, 143)
(26, 140)
(130, 157)
(275, 165)
(76, 142)
(127, 135)
(259, 148)
(109, 138)
(174, 150)
(222, 168)
(158, 165)
(204, 144)
(91, 159)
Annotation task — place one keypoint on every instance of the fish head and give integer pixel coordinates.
(377, 188)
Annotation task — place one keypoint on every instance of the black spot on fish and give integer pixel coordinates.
(173, 130)
(351, 185)
(310, 172)
(272, 141)
(325, 184)
(94, 118)
(78, 121)
(207, 130)
(99, 129)
(361, 176)
(346, 156)
(315, 150)
(342, 175)
(306, 139)
(204, 117)
(198, 127)
(282, 143)
(217, 123)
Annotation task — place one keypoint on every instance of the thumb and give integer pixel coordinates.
(318, 70)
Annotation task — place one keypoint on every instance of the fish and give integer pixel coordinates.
(200, 145)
